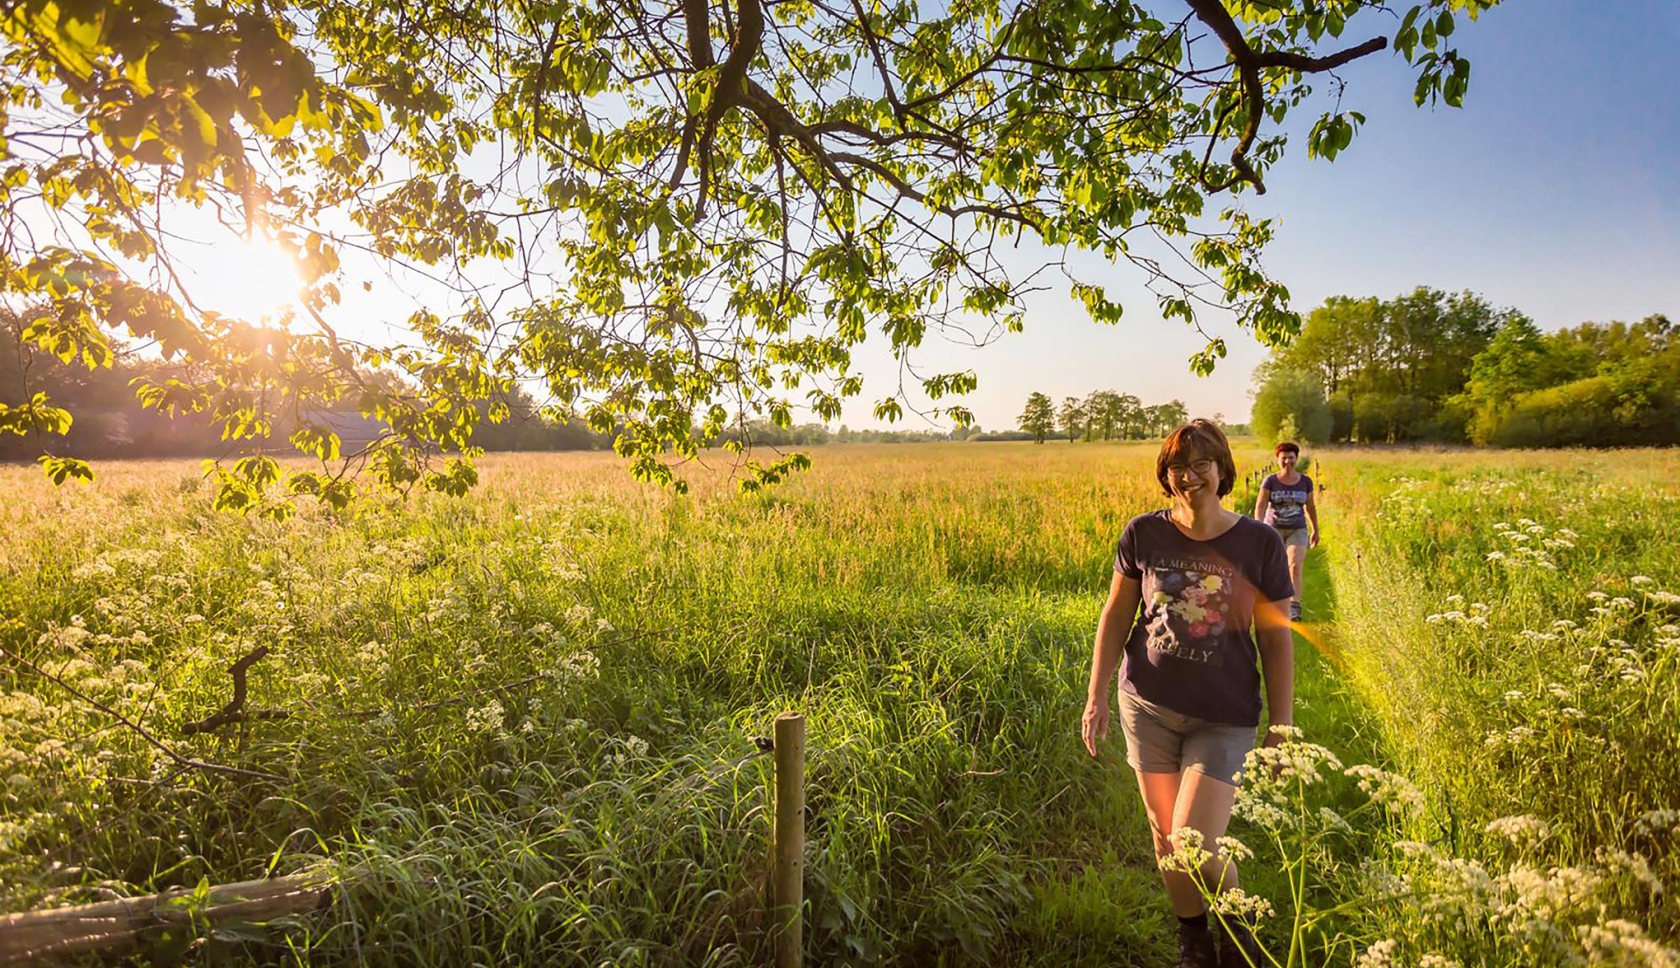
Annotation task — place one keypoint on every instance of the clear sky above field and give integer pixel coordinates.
(1556, 190)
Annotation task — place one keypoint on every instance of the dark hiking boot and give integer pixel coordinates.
(1195, 947)
(1238, 947)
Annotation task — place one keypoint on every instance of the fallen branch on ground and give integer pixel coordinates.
(234, 711)
(137, 728)
(31, 935)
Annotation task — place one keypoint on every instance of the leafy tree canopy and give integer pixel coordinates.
(1292, 400)
(708, 204)
(1038, 417)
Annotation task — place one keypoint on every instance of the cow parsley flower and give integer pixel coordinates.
(1521, 830)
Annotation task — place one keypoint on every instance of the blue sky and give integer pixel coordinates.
(1556, 190)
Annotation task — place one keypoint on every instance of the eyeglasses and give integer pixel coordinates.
(1201, 467)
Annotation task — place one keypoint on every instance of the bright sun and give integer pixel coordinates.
(251, 280)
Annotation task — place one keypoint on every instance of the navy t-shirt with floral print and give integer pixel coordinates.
(1192, 649)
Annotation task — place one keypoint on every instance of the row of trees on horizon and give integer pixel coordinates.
(1103, 415)
(1452, 368)
(110, 422)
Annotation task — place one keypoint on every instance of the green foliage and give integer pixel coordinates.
(1595, 385)
(1039, 417)
(1628, 408)
(61, 469)
(1389, 417)
(734, 196)
(1518, 621)
(1409, 354)
(1452, 368)
(1292, 400)
(1513, 363)
(1071, 417)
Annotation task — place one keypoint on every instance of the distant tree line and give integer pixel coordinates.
(1103, 415)
(766, 433)
(1432, 366)
(109, 421)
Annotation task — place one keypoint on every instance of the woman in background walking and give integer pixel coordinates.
(1286, 503)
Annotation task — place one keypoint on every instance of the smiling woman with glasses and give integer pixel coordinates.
(1194, 613)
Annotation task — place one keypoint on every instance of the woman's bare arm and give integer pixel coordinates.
(1277, 662)
(1261, 503)
(1114, 626)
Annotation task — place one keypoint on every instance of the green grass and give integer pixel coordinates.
(929, 608)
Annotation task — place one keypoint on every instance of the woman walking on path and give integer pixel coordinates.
(1189, 698)
(1286, 503)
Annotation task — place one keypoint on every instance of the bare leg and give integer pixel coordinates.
(1204, 804)
(1297, 561)
(1161, 793)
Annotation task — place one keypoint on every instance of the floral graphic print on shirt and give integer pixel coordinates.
(1192, 604)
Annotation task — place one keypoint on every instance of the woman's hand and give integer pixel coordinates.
(1313, 541)
(1274, 738)
(1095, 726)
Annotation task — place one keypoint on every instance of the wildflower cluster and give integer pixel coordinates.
(1531, 544)
(1554, 914)
(1476, 616)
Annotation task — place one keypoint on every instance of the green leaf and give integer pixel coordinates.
(61, 469)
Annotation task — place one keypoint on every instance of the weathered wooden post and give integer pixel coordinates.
(788, 884)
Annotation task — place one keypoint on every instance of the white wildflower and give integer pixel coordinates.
(1389, 789)
(1652, 822)
(1233, 848)
(1619, 942)
(1333, 820)
(1521, 830)
(486, 718)
(1188, 852)
(1379, 955)
(1635, 866)
(1241, 904)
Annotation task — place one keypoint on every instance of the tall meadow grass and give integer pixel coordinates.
(524, 719)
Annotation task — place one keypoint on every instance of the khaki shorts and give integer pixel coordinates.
(1159, 740)
(1295, 537)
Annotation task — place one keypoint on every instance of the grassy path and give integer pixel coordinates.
(1326, 705)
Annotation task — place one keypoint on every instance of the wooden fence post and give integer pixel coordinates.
(788, 883)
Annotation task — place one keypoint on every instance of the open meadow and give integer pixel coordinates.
(523, 721)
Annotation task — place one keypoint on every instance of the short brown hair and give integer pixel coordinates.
(1288, 445)
(1204, 439)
